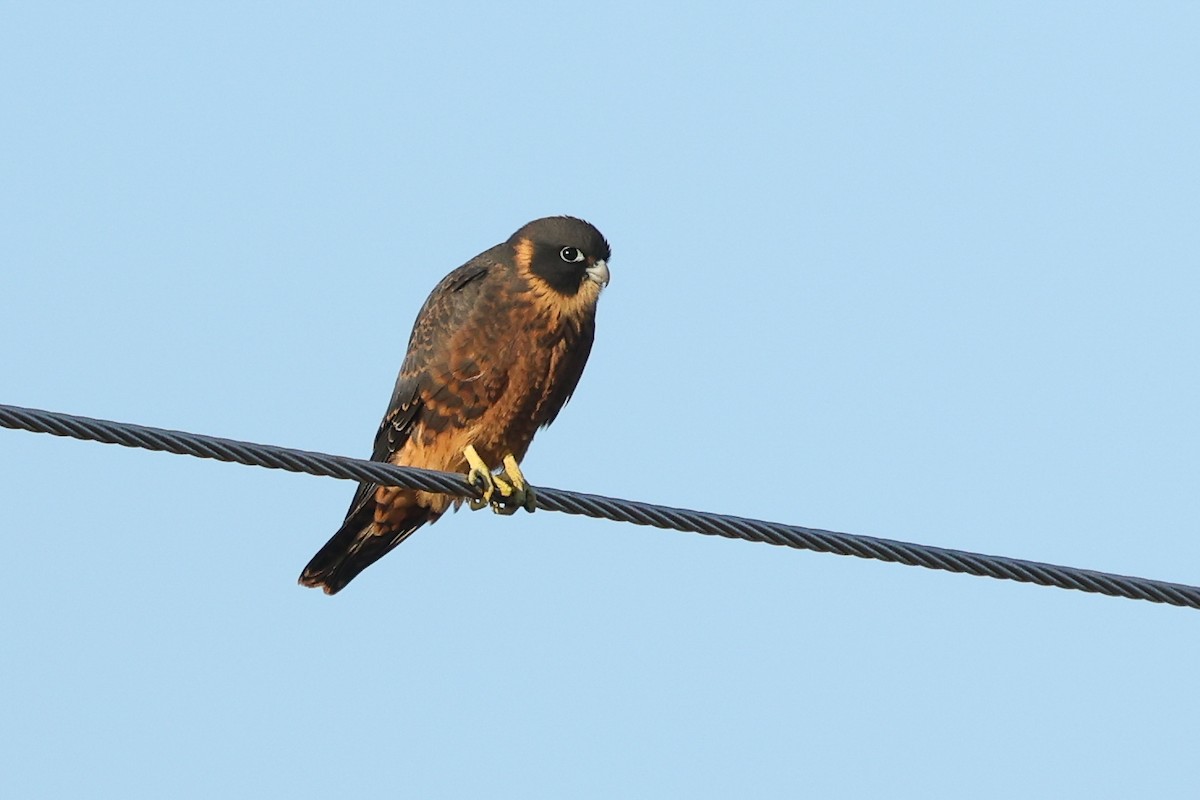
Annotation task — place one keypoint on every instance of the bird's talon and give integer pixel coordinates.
(481, 478)
(476, 503)
(505, 492)
(522, 495)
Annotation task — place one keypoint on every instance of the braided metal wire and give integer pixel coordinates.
(680, 519)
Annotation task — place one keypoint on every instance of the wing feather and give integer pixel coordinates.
(445, 309)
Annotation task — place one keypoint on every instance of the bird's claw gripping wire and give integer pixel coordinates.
(505, 492)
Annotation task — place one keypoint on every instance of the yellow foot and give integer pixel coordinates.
(505, 492)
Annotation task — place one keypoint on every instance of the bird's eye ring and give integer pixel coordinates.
(572, 255)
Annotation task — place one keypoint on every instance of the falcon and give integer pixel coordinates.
(495, 353)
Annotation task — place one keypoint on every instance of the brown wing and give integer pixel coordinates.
(370, 529)
(448, 305)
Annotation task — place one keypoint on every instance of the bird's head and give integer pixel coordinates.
(568, 256)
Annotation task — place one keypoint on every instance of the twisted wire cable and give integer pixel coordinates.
(637, 513)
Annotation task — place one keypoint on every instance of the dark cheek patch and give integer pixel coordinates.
(560, 276)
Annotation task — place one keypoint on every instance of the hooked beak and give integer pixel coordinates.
(598, 272)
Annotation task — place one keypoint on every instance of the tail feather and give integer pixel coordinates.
(357, 545)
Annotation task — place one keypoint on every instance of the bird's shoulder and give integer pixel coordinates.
(450, 304)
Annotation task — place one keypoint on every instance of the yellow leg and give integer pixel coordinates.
(523, 494)
(506, 492)
(481, 477)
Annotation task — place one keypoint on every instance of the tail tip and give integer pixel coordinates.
(315, 580)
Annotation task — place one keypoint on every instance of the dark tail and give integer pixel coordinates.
(356, 546)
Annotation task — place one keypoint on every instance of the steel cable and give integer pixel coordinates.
(637, 513)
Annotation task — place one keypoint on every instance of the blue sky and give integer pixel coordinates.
(926, 273)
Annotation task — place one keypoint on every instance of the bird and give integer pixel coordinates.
(495, 353)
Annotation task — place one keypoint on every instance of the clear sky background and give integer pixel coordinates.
(926, 273)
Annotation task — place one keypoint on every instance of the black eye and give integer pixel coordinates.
(571, 255)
